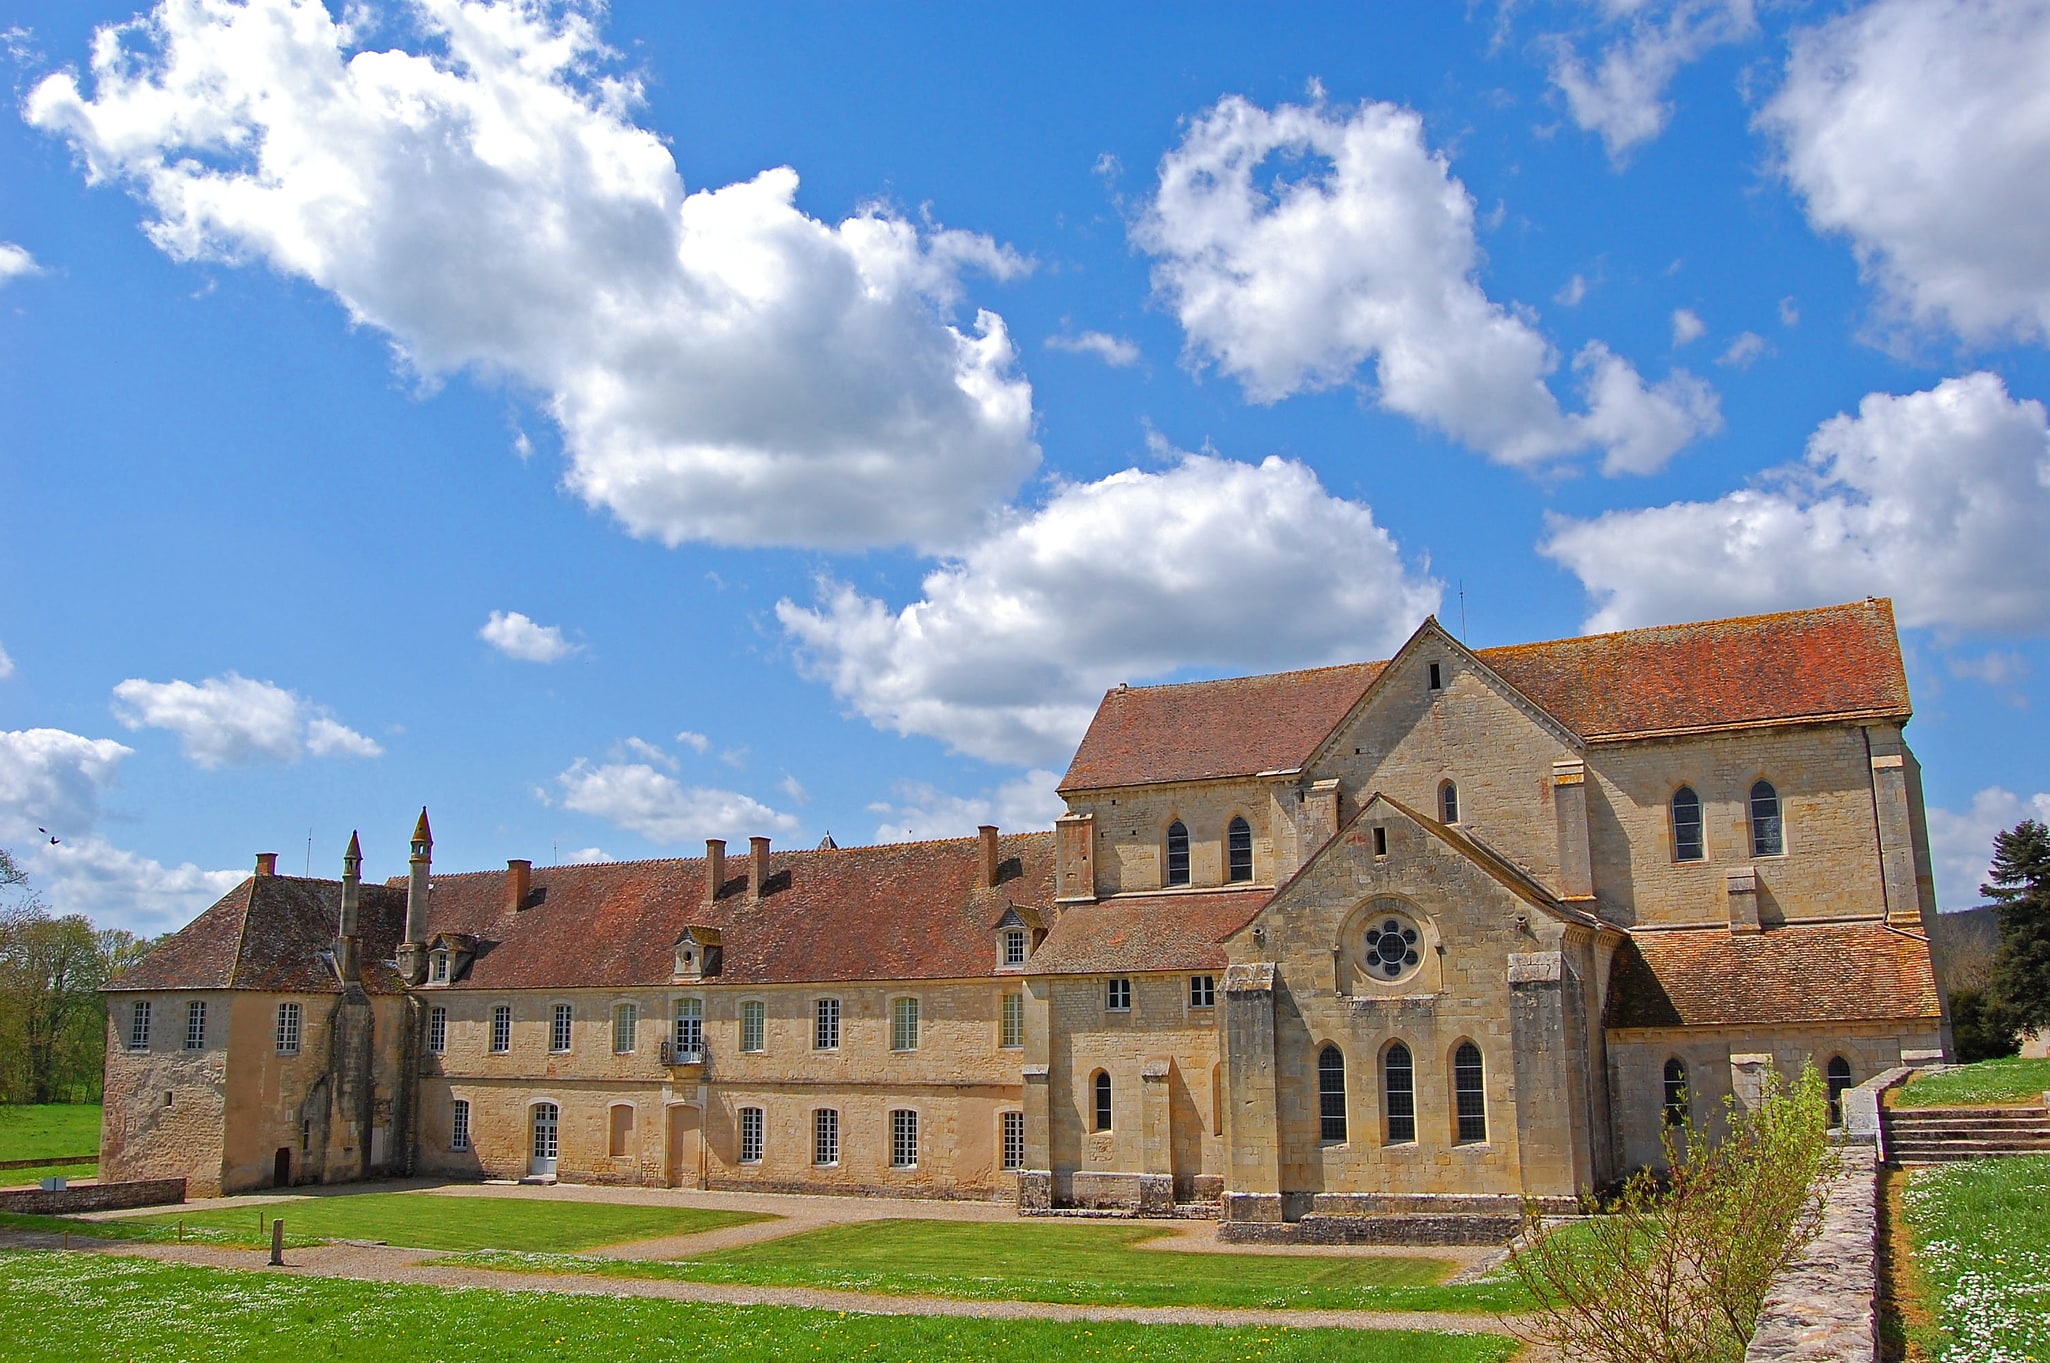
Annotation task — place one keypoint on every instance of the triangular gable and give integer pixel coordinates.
(1019, 916)
(1430, 634)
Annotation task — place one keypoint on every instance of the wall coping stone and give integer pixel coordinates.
(1825, 1305)
(94, 1197)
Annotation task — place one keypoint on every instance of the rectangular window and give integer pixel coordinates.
(1202, 991)
(903, 1139)
(1013, 1142)
(1014, 946)
(626, 1018)
(825, 1136)
(1011, 1034)
(559, 1027)
(288, 1029)
(903, 1024)
(306, 1135)
(437, 1030)
(459, 1126)
(754, 1018)
(437, 968)
(1380, 840)
(501, 1029)
(138, 1025)
(195, 1025)
(690, 1026)
(1117, 996)
(750, 1135)
(825, 1033)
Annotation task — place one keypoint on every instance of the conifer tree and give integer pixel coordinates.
(2019, 887)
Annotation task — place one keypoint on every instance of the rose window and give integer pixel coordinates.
(1391, 947)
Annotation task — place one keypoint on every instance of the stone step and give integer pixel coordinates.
(1903, 1150)
(1951, 1154)
(1968, 1133)
(1918, 1114)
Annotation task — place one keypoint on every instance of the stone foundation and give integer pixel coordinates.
(1826, 1304)
(1144, 1194)
(94, 1197)
(1428, 1228)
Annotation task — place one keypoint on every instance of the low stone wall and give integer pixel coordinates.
(1427, 1228)
(94, 1197)
(1826, 1305)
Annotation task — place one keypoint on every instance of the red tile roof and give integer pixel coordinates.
(268, 934)
(1836, 972)
(1835, 662)
(1179, 930)
(1194, 731)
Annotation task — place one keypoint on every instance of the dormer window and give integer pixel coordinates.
(437, 967)
(1014, 946)
(1177, 853)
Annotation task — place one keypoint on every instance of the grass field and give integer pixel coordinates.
(415, 1220)
(1083, 1263)
(10, 1178)
(1980, 1232)
(1989, 1083)
(59, 1308)
(48, 1131)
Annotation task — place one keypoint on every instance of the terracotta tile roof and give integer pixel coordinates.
(1194, 731)
(1183, 930)
(268, 934)
(1832, 662)
(899, 911)
(1838, 972)
(1812, 664)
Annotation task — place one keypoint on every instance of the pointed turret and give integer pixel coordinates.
(352, 888)
(423, 836)
(413, 951)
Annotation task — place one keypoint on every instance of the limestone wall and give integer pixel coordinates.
(165, 1106)
(1131, 831)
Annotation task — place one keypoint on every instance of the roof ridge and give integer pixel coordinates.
(1675, 625)
(388, 881)
(242, 928)
(1249, 676)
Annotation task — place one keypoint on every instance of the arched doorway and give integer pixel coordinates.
(547, 1117)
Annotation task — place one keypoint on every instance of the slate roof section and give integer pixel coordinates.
(1835, 662)
(1814, 972)
(268, 934)
(1196, 731)
(1182, 930)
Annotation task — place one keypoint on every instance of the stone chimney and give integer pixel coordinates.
(413, 950)
(519, 878)
(986, 865)
(266, 863)
(352, 889)
(1569, 805)
(715, 866)
(757, 867)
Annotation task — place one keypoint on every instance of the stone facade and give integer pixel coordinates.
(1472, 946)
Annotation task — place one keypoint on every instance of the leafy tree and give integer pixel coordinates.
(1981, 1026)
(2020, 890)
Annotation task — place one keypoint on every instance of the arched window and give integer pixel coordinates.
(1330, 1094)
(1767, 837)
(1676, 1091)
(1839, 1076)
(1398, 1094)
(1448, 802)
(1238, 840)
(1102, 1101)
(1687, 844)
(1470, 1093)
(1177, 853)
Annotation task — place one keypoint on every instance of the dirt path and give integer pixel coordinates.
(363, 1263)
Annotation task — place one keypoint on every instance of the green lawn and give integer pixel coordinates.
(48, 1131)
(1078, 1262)
(1981, 1236)
(59, 1308)
(1989, 1083)
(12, 1178)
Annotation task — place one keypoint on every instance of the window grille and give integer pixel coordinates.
(437, 968)
(195, 1025)
(903, 1139)
(459, 1125)
(1687, 841)
(1331, 1094)
(1398, 1094)
(138, 1025)
(626, 1020)
(1675, 1082)
(1202, 991)
(1118, 996)
(1177, 853)
(825, 1032)
(903, 1024)
(1011, 1034)
(559, 1027)
(825, 1136)
(437, 1030)
(288, 1029)
(1102, 1101)
(1238, 840)
(690, 1026)
(1013, 1142)
(750, 1135)
(1768, 835)
(501, 1028)
(1448, 802)
(754, 1015)
(1014, 946)
(1469, 1090)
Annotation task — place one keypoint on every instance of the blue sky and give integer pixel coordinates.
(618, 427)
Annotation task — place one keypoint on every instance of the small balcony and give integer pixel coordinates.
(679, 1058)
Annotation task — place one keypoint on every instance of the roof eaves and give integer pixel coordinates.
(1789, 721)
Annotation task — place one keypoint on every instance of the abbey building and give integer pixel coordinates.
(1423, 936)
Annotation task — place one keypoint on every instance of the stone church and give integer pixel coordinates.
(1415, 938)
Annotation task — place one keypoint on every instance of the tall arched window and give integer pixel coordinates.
(1676, 1091)
(1330, 1094)
(1238, 841)
(1470, 1093)
(1398, 1094)
(1767, 838)
(1687, 845)
(1839, 1076)
(1102, 1101)
(1177, 853)
(1448, 802)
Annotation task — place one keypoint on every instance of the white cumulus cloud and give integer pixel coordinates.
(723, 366)
(6, 665)
(233, 720)
(1687, 326)
(1920, 129)
(1211, 564)
(1115, 351)
(918, 811)
(1362, 249)
(16, 262)
(1961, 841)
(1621, 96)
(655, 805)
(1937, 499)
(516, 636)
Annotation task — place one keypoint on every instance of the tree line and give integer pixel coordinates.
(53, 1018)
(1988, 1021)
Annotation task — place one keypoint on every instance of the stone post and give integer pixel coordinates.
(1252, 1134)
